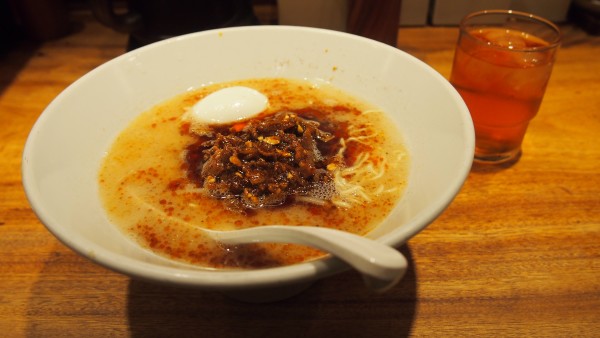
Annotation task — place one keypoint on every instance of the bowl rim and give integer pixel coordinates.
(235, 279)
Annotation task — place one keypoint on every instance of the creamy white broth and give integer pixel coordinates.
(146, 191)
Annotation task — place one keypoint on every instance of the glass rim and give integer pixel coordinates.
(524, 15)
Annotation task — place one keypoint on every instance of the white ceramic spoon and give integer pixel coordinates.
(380, 265)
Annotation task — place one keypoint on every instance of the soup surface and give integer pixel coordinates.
(150, 187)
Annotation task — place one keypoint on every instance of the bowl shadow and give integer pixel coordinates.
(339, 305)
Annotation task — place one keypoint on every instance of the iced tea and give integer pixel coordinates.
(501, 73)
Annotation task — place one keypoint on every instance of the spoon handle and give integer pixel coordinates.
(381, 266)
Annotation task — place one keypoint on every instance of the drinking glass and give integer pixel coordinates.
(502, 64)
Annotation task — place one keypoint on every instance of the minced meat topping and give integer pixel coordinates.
(263, 162)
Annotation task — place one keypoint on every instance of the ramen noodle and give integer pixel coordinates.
(316, 156)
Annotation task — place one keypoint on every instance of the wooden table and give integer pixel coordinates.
(516, 254)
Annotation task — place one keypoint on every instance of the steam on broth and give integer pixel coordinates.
(156, 185)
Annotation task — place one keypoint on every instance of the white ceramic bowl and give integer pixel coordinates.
(64, 150)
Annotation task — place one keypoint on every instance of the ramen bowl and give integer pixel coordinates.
(65, 148)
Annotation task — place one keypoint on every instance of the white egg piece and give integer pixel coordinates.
(228, 105)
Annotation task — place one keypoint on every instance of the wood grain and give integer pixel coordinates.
(516, 254)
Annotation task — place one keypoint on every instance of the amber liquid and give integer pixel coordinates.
(502, 77)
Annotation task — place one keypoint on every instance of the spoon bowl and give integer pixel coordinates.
(381, 266)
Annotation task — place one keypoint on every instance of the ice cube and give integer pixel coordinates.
(506, 39)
